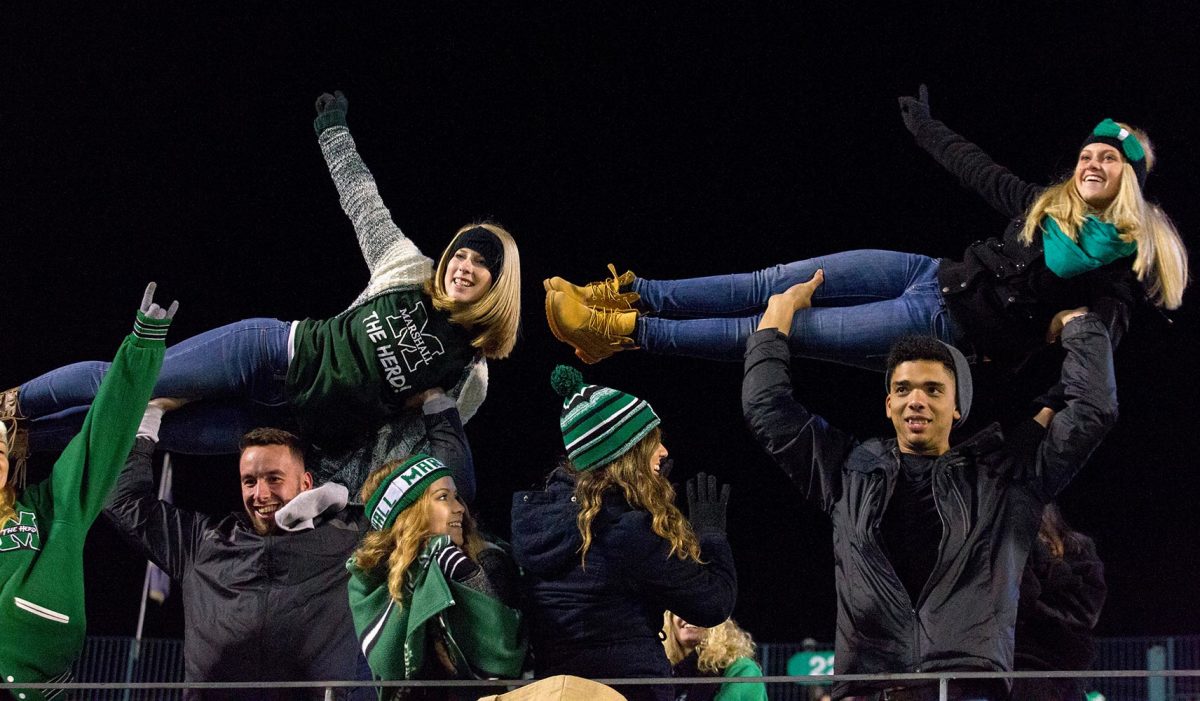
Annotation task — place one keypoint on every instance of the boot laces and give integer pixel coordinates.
(609, 290)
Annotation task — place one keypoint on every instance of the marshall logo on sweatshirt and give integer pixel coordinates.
(21, 535)
(408, 347)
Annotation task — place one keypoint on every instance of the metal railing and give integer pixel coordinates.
(97, 690)
(1138, 669)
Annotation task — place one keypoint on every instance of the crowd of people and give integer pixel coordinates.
(357, 556)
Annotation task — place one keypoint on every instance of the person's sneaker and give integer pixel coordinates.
(595, 334)
(602, 294)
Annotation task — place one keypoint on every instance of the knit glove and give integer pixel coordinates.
(665, 467)
(331, 111)
(151, 310)
(915, 110)
(455, 564)
(152, 320)
(707, 506)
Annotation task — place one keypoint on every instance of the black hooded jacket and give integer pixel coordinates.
(603, 620)
(989, 491)
(1000, 294)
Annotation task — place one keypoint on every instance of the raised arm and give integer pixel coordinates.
(1004, 191)
(164, 533)
(392, 258)
(448, 440)
(89, 466)
(808, 449)
(1090, 388)
(702, 592)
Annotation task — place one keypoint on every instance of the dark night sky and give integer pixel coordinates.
(676, 139)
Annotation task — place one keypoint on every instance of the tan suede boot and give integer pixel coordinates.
(595, 334)
(603, 294)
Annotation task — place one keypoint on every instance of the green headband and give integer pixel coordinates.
(402, 487)
(1113, 134)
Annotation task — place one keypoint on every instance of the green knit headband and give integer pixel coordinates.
(402, 487)
(1113, 134)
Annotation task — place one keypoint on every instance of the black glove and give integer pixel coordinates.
(331, 111)
(455, 564)
(915, 110)
(665, 467)
(706, 508)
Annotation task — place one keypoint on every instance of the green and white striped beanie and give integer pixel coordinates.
(599, 424)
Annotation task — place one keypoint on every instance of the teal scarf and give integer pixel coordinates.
(1099, 244)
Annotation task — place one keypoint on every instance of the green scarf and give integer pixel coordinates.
(480, 632)
(1099, 244)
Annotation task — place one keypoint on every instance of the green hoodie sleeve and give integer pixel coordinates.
(89, 466)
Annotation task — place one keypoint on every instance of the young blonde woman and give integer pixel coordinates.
(1092, 239)
(605, 549)
(720, 651)
(430, 598)
(43, 525)
(413, 327)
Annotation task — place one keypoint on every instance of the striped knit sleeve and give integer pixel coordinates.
(392, 258)
(150, 329)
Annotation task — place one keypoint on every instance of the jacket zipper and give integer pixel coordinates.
(874, 526)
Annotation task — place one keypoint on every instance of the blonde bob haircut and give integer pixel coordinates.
(644, 489)
(720, 647)
(496, 316)
(402, 543)
(1161, 261)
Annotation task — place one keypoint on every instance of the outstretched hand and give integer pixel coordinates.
(783, 306)
(706, 504)
(336, 101)
(914, 110)
(168, 404)
(151, 309)
(1060, 320)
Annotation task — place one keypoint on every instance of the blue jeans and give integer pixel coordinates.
(868, 300)
(242, 365)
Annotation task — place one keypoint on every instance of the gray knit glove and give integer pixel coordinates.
(915, 110)
(151, 309)
(152, 320)
(331, 111)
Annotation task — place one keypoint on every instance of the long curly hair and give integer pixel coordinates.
(644, 489)
(402, 543)
(721, 646)
(497, 315)
(1161, 262)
